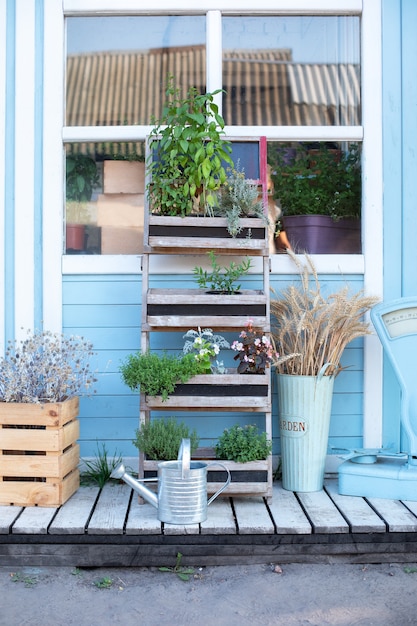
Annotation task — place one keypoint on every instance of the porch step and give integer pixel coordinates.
(108, 527)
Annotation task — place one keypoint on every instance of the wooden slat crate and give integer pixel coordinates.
(185, 308)
(230, 392)
(166, 234)
(249, 479)
(39, 454)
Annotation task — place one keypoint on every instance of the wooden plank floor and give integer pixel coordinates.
(109, 527)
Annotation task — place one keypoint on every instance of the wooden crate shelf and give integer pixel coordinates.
(39, 453)
(191, 235)
(185, 308)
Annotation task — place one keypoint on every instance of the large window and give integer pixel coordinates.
(299, 72)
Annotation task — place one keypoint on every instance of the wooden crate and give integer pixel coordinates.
(166, 234)
(217, 391)
(39, 454)
(165, 309)
(247, 479)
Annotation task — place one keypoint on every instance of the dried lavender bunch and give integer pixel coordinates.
(45, 367)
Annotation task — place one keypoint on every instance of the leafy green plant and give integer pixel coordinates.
(46, 367)
(100, 469)
(160, 439)
(183, 573)
(320, 181)
(158, 374)
(221, 279)
(81, 177)
(28, 581)
(205, 347)
(243, 444)
(237, 198)
(188, 151)
(103, 583)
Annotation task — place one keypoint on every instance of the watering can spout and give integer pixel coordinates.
(148, 495)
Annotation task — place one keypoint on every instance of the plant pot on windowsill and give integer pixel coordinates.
(321, 234)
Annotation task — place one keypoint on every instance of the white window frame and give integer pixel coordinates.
(369, 263)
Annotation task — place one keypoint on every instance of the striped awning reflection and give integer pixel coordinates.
(263, 87)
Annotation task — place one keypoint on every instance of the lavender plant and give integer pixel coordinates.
(46, 367)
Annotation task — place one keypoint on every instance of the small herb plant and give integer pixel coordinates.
(204, 346)
(100, 469)
(237, 198)
(158, 375)
(221, 279)
(160, 439)
(243, 444)
(183, 573)
(46, 367)
(188, 152)
(254, 351)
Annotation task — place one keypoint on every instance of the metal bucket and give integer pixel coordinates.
(182, 488)
(305, 404)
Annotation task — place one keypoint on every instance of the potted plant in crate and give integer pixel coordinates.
(319, 192)
(311, 330)
(185, 168)
(41, 378)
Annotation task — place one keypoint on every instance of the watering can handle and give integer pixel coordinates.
(223, 487)
(184, 455)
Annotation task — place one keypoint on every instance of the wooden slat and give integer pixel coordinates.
(396, 515)
(252, 516)
(142, 519)
(287, 513)
(220, 518)
(73, 516)
(34, 521)
(322, 513)
(198, 296)
(179, 529)
(111, 509)
(360, 516)
(8, 514)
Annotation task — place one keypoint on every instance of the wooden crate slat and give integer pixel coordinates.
(361, 517)
(398, 517)
(40, 494)
(47, 414)
(110, 513)
(73, 516)
(287, 512)
(51, 465)
(32, 439)
(183, 296)
(322, 513)
(252, 516)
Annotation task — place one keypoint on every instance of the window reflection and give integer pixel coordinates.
(299, 71)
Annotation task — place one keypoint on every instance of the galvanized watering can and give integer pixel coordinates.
(182, 488)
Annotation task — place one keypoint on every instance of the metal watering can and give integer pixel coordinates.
(182, 488)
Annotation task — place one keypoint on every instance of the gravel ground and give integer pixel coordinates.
(256, 595)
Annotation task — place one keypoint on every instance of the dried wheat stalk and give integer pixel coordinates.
(313, 330)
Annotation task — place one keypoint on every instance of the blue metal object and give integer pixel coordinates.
(376, 473)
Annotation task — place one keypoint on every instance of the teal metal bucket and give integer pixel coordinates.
(305, 404)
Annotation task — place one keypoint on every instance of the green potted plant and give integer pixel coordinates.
(205, 346)
(319, 192)
(41, 379)
(221, 280)
(254, 350)
(188, 153)
(158, 374)
(310, 331)
(243, 444)
(81, 178)
(160, 439)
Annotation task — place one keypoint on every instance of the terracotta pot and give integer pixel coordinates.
(75, 237)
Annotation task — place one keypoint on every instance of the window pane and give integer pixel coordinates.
(301, 71)
(104, 201)
(315, 196)
(117, 67)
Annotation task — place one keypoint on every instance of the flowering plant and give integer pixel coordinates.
(254, 351)
(205, 346)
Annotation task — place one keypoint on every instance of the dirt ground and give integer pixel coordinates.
(256, 595)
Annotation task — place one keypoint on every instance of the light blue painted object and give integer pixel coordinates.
(376, 473)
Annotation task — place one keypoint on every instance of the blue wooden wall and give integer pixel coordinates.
(107, 310)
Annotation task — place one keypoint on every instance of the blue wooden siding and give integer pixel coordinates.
(107, 310)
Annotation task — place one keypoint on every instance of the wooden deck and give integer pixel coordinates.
(110, 528)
